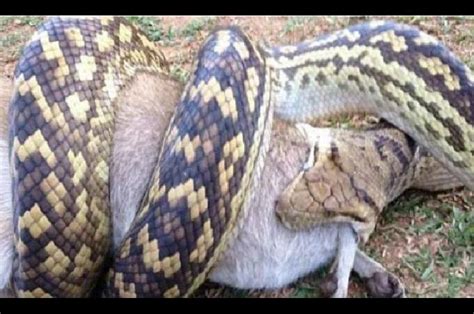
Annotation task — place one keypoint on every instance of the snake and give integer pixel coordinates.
(61, 124)
(352, 175)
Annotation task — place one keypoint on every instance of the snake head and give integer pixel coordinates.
(330, 186)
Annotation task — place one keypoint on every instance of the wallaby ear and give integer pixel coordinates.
(312, 135)
(305, 130)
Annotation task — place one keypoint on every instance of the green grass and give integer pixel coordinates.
(446, 24)
(295, 22)
(170, 34)
(11, 40)
(433, 221)
(154, 29)
(308, 287)
(421, 264)
(455, 284)
(451, 227)
(461, 233)
(467, 36)
(454, 229)
(157, 32)
(238, 293)
(340, 22)
(402, 207)
(179, 73)
(412, 20)
(470, 63)
(4, 21)
(29, 20)
(15, 35)
(151, 26)
(342, 121)
(305, 292)
(195, 26)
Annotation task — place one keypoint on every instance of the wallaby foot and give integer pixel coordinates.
(385, 285)
(380, 282)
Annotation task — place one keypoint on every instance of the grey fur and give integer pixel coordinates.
(264, 255)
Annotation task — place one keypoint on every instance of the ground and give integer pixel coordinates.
(425, 239)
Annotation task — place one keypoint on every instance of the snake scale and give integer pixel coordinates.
(61, 122)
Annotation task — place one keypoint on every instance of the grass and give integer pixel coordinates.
(344, 21)
(461, 233)
(344, 122)
(455, 284)
(170, 34)
(149, 25)
(465, 36)
(412, 20)
(303, 292)
(439, 237)
(195, 26)
(157, 32)
(449, 252)
(402, 206)
(293, 23)
(433, 221)
(308, 287)
(298, 22)
(421, 264)
(29, 20)
(4, 21)
(439, 261)
(11, 40)
(446, 24)
(179, 73)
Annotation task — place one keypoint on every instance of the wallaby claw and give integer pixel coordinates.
(385, 285)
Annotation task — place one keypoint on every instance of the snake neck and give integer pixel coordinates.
(390, 70)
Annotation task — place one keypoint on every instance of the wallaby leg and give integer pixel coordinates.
(337, 283)
(380, 282)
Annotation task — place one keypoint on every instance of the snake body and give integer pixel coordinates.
(62, 121)
(390, 70)
(61, 128)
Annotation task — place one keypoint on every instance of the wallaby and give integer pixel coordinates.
(265, 254)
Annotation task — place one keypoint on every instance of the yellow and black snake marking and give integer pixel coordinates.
(202, 176)
(391, 70)
(62, 122)
(61, 127)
